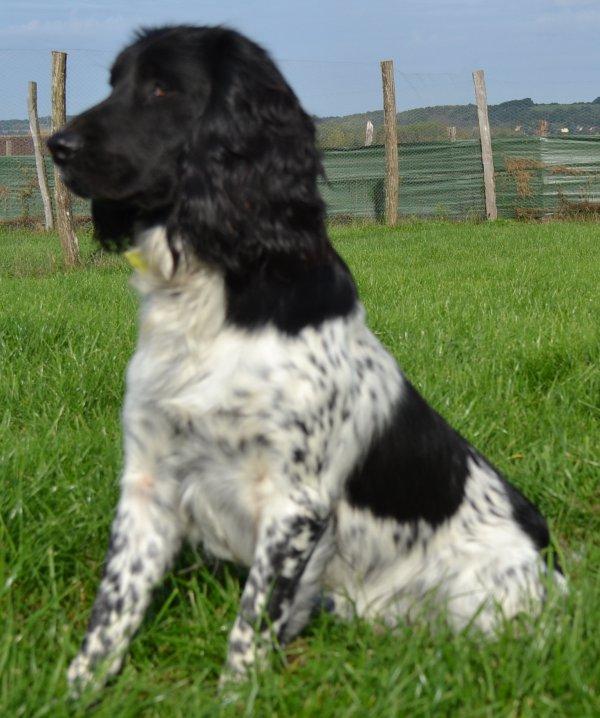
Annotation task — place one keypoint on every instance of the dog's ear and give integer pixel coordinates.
(113, 223)
(249, 173)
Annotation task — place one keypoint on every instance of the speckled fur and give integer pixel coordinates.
(244, 441)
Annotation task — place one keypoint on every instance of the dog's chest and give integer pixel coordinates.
(235, 415)
(212, 416)
(233, 419)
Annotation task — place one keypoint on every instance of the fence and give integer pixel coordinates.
(440, 165)
(535, 177)
(20, 198)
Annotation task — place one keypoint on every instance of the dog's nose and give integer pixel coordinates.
(63, 145)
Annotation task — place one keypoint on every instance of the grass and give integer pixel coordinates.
(498, 327)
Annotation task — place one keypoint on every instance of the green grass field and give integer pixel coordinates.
(497, 325)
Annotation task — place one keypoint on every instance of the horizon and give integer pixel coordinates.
(380, 109)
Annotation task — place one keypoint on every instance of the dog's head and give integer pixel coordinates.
(200, 133)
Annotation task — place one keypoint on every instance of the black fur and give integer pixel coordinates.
(416, 469)
(290, 294)
(529, 519)
(202, 133)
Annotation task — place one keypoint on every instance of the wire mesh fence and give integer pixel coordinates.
(20, 198)
(546, 157)
(535, 177)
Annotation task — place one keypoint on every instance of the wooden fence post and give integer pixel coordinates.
(485, 135)
(62, 196)
(34, 126)
(391, 142)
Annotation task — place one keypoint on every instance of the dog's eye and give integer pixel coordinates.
(159, 91)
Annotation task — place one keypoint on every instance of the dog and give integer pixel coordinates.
(262, 418)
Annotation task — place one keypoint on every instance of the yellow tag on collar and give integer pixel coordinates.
(136, 259)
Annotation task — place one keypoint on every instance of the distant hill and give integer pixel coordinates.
(21, 127)
(430, 123)
(515, 117)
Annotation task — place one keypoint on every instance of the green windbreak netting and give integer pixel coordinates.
(535, 177)
(572, 172)
(437, 178)
(545, 175)
(20, 197)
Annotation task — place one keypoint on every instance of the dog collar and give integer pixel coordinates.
(136, 259)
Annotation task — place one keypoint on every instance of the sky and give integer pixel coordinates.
(329, 50)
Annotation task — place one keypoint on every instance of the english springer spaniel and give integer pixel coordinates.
(262, 417)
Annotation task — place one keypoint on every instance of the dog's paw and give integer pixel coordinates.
(81, 678)
(85, 675)
(231, 685)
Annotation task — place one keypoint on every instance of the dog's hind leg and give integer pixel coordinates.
(283, 579)
(143, 543)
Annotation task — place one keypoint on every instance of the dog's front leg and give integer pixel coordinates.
(143, 542)
(289, 535)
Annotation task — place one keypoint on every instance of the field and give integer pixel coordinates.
(497, 325)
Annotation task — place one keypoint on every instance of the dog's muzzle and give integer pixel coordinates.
(64, 145)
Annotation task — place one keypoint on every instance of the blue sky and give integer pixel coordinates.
(545, 49)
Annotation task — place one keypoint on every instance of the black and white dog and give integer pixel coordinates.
(262, 418)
